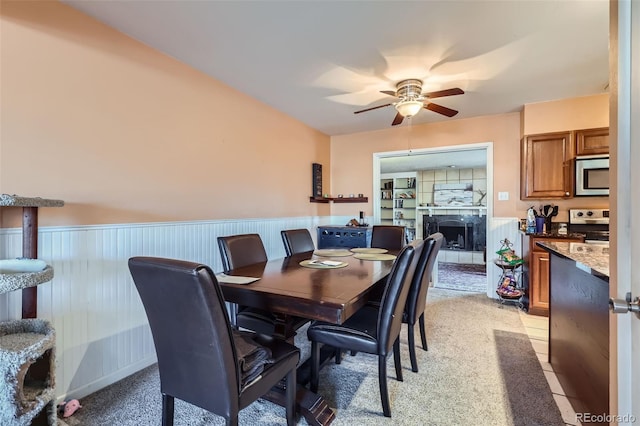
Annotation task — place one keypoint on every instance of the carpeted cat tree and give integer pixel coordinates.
(27, 371)
(27, 346)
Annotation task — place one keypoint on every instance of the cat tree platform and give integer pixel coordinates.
(19, 280)
(7, 200)
(27, 374)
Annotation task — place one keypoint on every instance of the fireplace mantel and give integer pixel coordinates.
(482, 210)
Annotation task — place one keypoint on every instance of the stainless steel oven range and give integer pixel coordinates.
(593, 223)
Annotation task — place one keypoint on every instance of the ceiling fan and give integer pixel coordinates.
(412, 100)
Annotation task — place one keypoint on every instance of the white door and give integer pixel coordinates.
(625, 205)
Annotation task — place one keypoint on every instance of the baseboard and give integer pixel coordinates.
(105, 381)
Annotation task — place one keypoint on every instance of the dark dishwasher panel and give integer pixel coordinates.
(343, 236)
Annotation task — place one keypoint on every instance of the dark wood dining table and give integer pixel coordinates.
(292, 291)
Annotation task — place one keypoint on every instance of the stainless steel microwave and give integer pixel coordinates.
(592, 175)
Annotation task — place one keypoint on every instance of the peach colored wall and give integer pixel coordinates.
(352, 155)
(585, 112)
(123, 133)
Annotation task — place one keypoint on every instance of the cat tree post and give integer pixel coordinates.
(30, 251)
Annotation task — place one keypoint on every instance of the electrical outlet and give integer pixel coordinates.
(503, 196)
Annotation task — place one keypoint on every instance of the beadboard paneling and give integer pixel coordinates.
(499, 228)
(102, 330)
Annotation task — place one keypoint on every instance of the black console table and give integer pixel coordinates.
(343, 236)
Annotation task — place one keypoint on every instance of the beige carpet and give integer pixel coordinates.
(480, 370)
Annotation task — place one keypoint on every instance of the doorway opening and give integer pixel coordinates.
(452, 195)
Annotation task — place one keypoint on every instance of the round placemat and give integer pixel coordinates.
(374, 256)
(371, 250)
(333, 252)
(318, 265)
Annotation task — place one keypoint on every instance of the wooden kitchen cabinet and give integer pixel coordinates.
(536, 271)
(546, 170)
(539, 283)
(592, 141)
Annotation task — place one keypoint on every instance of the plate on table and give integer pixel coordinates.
(369, 250)
(374, 256)
(333, 252)
(322, 264)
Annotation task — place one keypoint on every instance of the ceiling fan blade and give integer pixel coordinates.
(369, 109)
(388, 92)
(398, 119)
(442, 93)
(441, 109)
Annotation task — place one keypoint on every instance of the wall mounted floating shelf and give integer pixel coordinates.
(339, 199)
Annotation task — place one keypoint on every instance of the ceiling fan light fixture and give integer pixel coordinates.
(411, 100)
(409, 108)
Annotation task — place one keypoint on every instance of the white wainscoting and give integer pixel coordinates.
(102, 330)
(499, 228)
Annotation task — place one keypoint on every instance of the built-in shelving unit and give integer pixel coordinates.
(398, 193)
(386, 201)
(27, 345)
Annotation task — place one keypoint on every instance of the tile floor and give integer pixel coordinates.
(538, 330)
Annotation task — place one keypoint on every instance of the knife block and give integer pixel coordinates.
(547, 224)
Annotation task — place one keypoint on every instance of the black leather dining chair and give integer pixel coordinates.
(201, 359)
(417, 299)
(297, 241)
(390, 237)
(241, 250)
(371, 330)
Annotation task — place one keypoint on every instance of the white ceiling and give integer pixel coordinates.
(319, 61)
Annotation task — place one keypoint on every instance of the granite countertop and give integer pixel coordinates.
(591, 258)
(553, 235)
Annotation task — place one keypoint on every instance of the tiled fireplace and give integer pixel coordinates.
(464, 226)
(464, 236)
